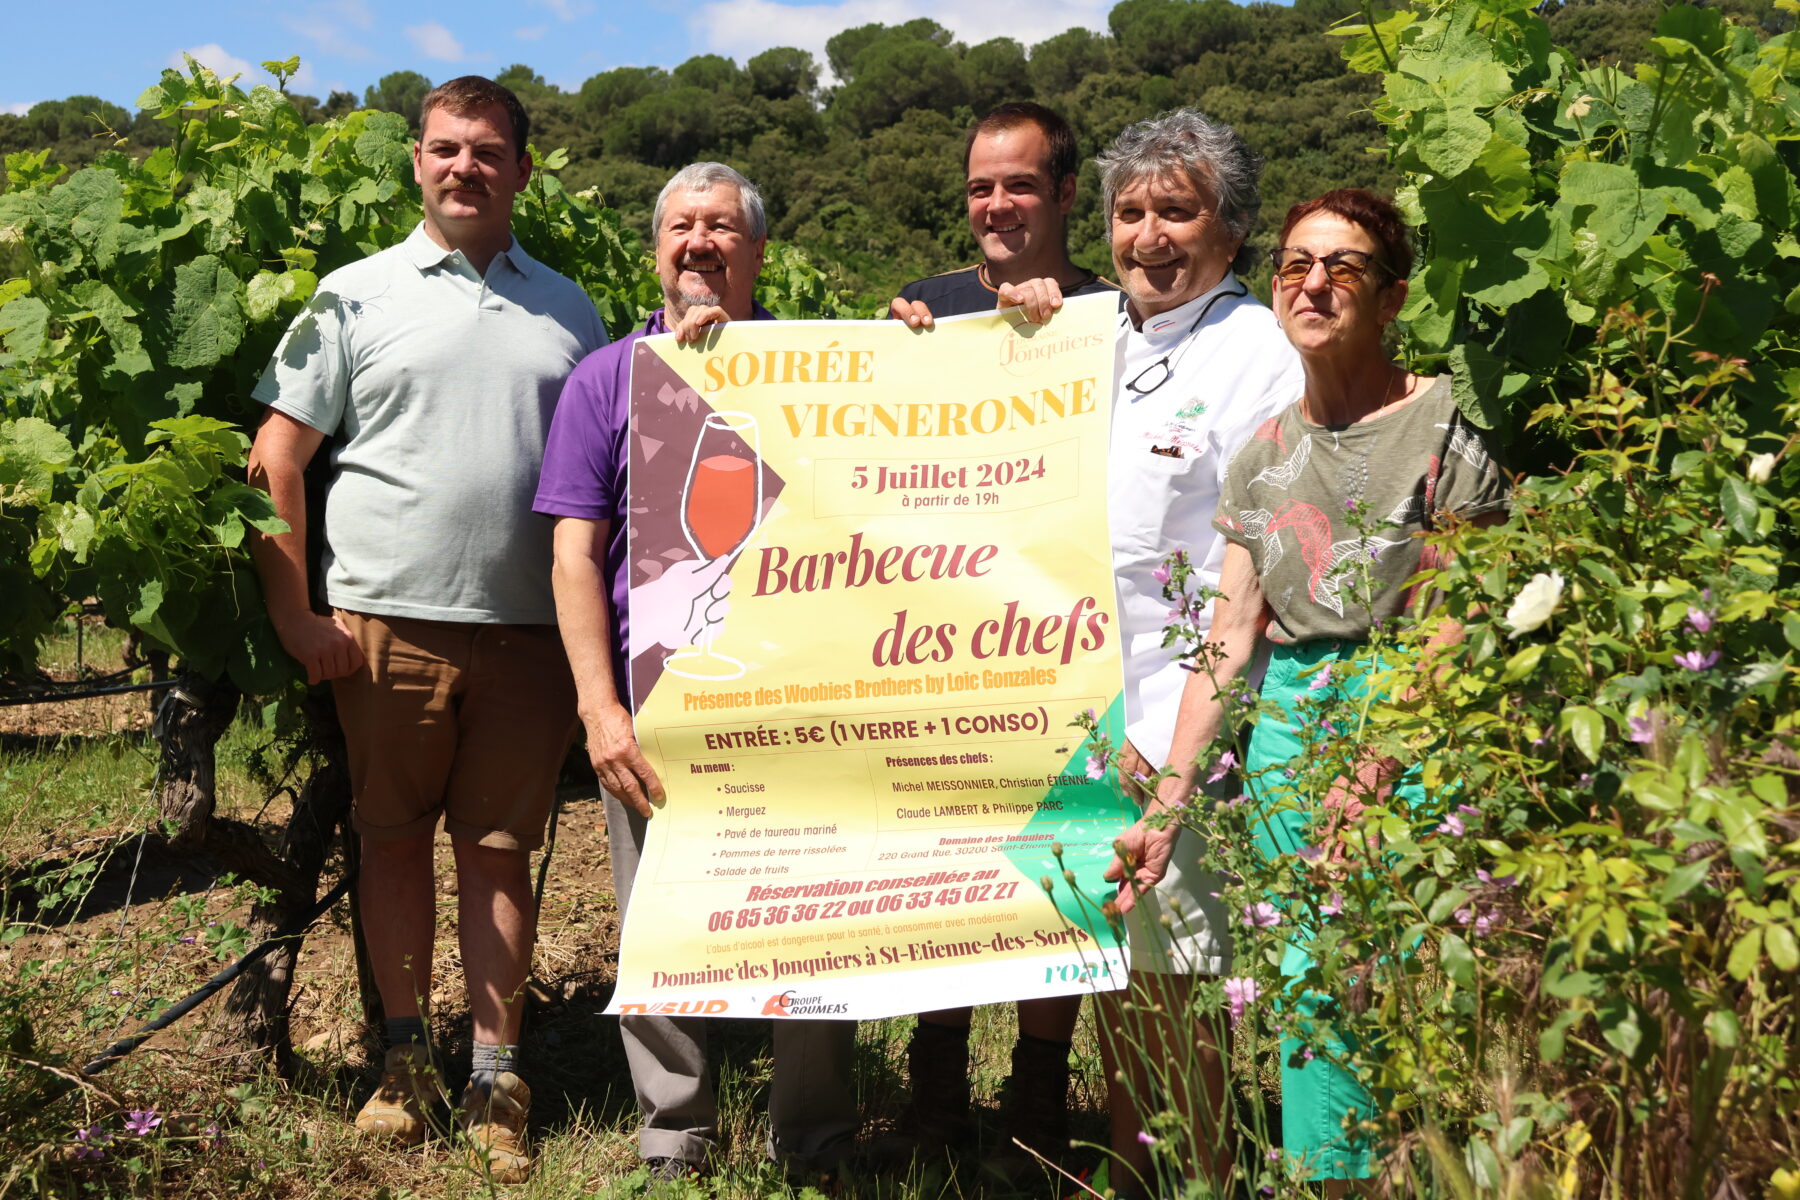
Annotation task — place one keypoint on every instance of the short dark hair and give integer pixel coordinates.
(469, 94)
(1376, 215)
(1062, 162)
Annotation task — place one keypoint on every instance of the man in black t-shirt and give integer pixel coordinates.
(1021, 164)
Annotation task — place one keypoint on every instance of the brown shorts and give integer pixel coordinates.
(471, 721)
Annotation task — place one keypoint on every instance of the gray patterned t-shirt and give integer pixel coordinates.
(1331, 514)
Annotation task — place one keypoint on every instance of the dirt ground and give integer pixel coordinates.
(136, 896)
(138, 931)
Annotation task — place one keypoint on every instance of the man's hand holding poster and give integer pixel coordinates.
(871, 590)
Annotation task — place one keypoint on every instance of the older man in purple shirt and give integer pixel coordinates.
(710, 234)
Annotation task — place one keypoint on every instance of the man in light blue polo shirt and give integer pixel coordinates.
(437, 364)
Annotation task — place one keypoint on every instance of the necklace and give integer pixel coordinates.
(1396, 375)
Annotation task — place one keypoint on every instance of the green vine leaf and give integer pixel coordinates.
(208, 317)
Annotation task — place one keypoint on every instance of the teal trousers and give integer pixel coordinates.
(1320, 1101)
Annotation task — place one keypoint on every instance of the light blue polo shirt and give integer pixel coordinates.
(441, 384)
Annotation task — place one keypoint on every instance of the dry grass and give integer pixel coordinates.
(135, 936)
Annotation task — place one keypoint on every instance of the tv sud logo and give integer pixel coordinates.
(787, 1004)
(676, 1008)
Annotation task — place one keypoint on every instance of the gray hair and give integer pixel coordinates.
(704, 177)
(1184, 141)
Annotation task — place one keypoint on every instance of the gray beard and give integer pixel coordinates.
(693, 299)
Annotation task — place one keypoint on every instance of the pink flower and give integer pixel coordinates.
(89, 1142)
(141, 1121)
(1144, 1139)
(1226, 762)
(1699, 620)
(1453, 825)
(1161, 574)
(1333, 906)
(1643, 730)
(1504, 881)
(1261, 915)
(1321, 680)
(1096, 767)
(1693, 660)
(1240, 993)
(1311, 853)
(1483, 918)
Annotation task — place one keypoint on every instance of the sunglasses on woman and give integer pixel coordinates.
(1292, 265)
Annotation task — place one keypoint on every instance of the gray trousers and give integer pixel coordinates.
(813, 1114)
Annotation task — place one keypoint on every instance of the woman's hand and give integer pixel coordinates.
(1348, 796)
(1140, 860)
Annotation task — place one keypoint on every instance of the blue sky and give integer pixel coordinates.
(114, 50)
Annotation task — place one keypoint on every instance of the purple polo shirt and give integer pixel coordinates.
(585, 461)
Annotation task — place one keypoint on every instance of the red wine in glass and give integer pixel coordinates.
(721, 506)
(720, 510)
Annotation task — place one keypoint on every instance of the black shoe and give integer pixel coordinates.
(668, 1170)
(1035, 1111)
(937, 1059)
(936, 1120)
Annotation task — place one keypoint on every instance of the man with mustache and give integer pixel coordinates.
(435, 365)
(710, 235)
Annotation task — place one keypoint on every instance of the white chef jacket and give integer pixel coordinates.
(1230, 369)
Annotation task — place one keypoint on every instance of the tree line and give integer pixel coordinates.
(865, 173)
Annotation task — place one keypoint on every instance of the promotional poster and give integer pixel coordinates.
(871, 591)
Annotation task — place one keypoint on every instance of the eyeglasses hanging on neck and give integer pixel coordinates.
(1163, 369)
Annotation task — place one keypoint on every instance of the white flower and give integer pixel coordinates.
(1761, 467)
(1535, 602)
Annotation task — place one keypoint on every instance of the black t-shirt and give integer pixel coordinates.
(955, 293)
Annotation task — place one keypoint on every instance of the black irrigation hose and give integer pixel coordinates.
(54, 697)
(199, 995)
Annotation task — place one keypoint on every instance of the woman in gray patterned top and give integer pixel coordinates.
(1322, 509)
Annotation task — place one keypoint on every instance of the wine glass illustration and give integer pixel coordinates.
(721, 506)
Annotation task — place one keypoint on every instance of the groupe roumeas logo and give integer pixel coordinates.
(786, 1004)
(1027, 347)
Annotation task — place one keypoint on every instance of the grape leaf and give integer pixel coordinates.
(91, 205)
(1625, 211)
(207, 318)
(32, 452)
(385, 141)
(24, 323)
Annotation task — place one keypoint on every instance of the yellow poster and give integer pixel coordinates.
(871, 590)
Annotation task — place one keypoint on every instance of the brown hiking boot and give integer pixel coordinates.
(410, 1088)
(1035, 1111)
(495, 1124)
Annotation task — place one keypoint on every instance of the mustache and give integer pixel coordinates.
(466, 185)
(705, 260)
